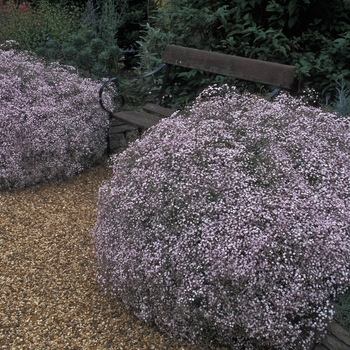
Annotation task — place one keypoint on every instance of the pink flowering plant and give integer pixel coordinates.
(51, 125)
(229, 223)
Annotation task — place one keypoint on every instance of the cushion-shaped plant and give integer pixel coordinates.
(51, 125)
(229, 223)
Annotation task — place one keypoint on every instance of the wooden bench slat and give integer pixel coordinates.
(137, 118)
(320, 347)
(270, 73)
(158, 110)
(117, 126)
(339, 331)
(332, 342)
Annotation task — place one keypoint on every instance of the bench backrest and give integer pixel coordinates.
(269, 73)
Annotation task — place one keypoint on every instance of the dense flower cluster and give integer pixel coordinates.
(230, 222)
(51, 125)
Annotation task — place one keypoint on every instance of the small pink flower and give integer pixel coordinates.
(51, 125)
(229, 222)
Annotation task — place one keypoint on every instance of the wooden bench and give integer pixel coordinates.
(274, 74)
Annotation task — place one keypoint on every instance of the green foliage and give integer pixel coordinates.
(106, 20)
(119, 20)
(342, 309)
(150, 57)
(90, 54)
(93, 48)
(152, 44)
(184, 84)
(77, 41)
(341, 105)
(97, 45)
(30, 26)
(135, 92)
(60, 32)
(69, 52)
(313, 35)
(136, 14)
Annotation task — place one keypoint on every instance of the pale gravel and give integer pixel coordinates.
(49, 297)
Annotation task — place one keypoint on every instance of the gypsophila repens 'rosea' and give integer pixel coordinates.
(51, 125)
(229, 222)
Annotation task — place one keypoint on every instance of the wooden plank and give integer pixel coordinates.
(158, 110)
(115, 122)
(339, 331)
(117, 127)
(320, 347)
(141, 120)
(270, 73)
(333, 343)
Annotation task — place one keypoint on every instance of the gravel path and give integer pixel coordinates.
(49, 298)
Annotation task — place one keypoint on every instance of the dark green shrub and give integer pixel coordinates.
(98, 70)
(103, 57)
(78, 41)
(30, 26)
(93, 49)
(69, 53)
(118, 21)
(313, 35)
(97, 45)
(90, 54)
(85, 59)
(342, 309)
(65, 32)
(341, 104)
(136, 14)
(90, 34)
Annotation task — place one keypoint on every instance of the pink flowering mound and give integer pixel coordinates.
(51, 125)
(229, 223)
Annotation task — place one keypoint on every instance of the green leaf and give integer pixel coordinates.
(291, 22)
(292, 6)
(304, 62)
(340, 41)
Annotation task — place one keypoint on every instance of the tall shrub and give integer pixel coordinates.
(30, 26)
(92, 48)
(117, 20)
(313, 35)
(229, 222)
(51, 125)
